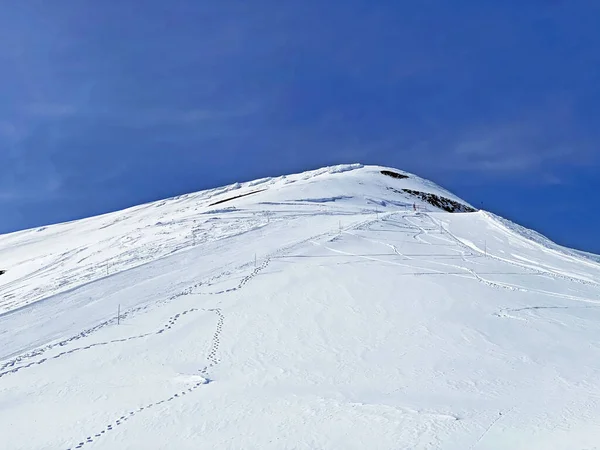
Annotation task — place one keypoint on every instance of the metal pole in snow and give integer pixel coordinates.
(119, 315)
(255, 260)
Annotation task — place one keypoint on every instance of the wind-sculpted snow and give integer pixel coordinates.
(49, 260)
(322, 312)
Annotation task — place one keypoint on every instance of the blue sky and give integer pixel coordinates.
(107, 104)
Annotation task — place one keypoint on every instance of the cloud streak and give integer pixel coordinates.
(50, 110)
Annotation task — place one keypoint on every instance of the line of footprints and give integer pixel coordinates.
(89, 331)
(85, 333)
(167, 326)
(213, 361)
(212, 355)
(246, 279)
(212, 358)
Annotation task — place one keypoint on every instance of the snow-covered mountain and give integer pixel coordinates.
(347, 307)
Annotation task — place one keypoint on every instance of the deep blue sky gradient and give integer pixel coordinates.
(107, 104)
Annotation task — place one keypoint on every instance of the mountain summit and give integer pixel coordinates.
(350, 307)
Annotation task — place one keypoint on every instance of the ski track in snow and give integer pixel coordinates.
(505, 312)
(423, 231)
(489, 427)
(537, 270)
(497, 285)
(513, 287)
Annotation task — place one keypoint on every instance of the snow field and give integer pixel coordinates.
(305, 319)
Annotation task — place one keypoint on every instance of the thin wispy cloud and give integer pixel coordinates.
(184, 117)
(10, 132)
(43, 188)
(127, 116)
(50, 110)
(510, 148)
(489, 93)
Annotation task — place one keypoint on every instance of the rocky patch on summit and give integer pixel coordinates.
(438, 201)
(389, 173)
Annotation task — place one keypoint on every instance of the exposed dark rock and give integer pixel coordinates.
(237, 196)
(440, 202)
(2, 272)
(389, 173)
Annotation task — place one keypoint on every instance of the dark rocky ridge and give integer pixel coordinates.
(440, 202)
(389, 173)
(237, 196)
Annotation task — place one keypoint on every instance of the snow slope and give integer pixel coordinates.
(311, 311)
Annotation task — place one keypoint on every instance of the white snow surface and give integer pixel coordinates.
(314, 311)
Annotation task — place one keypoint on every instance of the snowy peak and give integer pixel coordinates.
(101, 246)
(351, 184)
(345, 307)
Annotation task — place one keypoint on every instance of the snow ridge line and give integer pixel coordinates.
(213, 361)
(167, 326)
